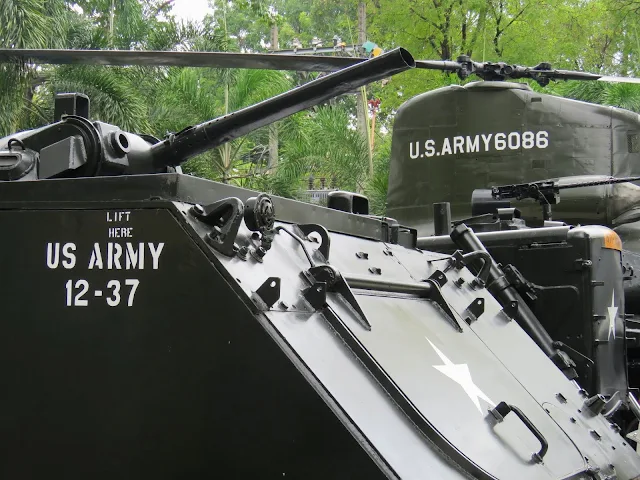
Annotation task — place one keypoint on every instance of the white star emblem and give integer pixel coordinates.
(612, 313)
(461, 375)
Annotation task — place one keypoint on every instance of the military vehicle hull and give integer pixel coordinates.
(135, 344)
(454, 140)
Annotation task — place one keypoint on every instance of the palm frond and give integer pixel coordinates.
(622, 95)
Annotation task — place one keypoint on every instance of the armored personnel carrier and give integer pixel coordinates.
(249, 336)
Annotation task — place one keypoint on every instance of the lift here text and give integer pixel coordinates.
(128, 256)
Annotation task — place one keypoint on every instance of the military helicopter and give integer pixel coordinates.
(247, 335)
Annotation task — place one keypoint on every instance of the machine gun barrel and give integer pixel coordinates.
(195, 140)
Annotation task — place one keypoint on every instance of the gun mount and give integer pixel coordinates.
(77, 147)
(547, 193)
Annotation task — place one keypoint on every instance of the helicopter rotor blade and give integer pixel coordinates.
(574, 75)
(464, 67)
(619, 79)
(301, 63)
(501, 71)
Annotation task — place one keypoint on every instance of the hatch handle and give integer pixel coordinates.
(458, 260)
(503, 409)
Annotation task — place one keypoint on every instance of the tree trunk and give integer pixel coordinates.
(112, 14)
(226, 148)
(273, 128)
(361, 107)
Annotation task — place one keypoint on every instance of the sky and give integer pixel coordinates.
(191, 9)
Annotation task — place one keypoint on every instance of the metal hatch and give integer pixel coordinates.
(443, 381)
(451, 378)
(453, 381)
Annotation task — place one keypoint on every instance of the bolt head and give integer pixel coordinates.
(197, 208)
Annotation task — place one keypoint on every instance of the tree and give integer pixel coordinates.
(27, 24)
(598, 35)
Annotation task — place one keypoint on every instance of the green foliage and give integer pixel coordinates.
(376, 188)
(33, 23)
(190, 96)
(600, 36)
(26, 24)
(325, 146)
(114, 97)
(250, 21)
(622, 95)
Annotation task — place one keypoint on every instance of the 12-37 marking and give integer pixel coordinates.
(77, 292)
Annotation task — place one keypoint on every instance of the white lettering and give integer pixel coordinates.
(473, 146)
(411, 154)
(155, 253)
(120, 232)
(528, 140)
(446, 147)
(53, 255)
(118, 216)
(429, 148)
(115, 285)
(114, 251)
(542, 140)
(125, 256)
(135, 258)
(514, 145)
(70, 258)
(467, 144)
(133, 283)
(76, 292)
(458, 142)
(78, 301)
(486, 139)
(96, 258)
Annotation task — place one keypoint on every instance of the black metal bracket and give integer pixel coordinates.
(521, 284)
(435, 295)
(225, 216)
(503, 409)
(511, 309)
(336, 283)
(325, 246)
(268, 293)
(316, 295)
(594, 404)
(474, 310)
(439, 277)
